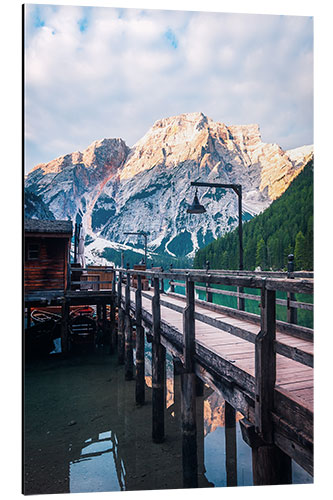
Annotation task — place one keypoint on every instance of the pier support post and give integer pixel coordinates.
(104, 323)
(158, 369)
(199, 386)
(177, 369)
(200, 424)
(113, 337)
(230, 444)
(128, 333)
(64, 326)
(188, 394)
(265, 366)
(121, 336)
(121, 340)
(270, 465)
(28, 317)
(140, 348)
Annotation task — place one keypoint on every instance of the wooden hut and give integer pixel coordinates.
(46, 254)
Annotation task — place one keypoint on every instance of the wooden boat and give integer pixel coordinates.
(40, 316)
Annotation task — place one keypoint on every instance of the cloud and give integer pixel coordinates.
(107, 72)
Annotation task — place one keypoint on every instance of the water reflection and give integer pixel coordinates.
(99, 467)
(84, 432)
(116, 459)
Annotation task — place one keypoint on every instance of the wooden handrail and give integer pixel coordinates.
(241, 280)
(283, 302)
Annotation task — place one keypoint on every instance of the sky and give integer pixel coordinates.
(96, 72)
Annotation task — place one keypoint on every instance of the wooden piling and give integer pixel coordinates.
(199, 387)
(230, 444)
(177, 369)
(112, 336)
(189, 431)
(265, 366)
(291, 311)
(158, 370)
(128, 333)
(64, 326)
(121, 337)
(140, 348)
(28, 317)
(188, 394)
(120, 340)
(270, 466)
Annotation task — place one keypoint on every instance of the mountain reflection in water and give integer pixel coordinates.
(84, 432)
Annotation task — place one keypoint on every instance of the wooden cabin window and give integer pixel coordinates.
(33, 251)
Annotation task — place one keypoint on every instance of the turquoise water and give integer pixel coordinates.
(304, 317)
(84, 432)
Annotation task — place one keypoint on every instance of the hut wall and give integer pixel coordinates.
(49, 270)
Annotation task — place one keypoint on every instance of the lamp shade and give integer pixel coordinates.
(196, 208)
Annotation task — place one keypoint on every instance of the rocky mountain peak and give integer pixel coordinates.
(109, 186)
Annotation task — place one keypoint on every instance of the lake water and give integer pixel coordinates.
(84, 432)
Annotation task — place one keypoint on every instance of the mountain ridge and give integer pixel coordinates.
(112, 188)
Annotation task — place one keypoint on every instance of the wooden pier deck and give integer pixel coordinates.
(291, 376)
(262, 367)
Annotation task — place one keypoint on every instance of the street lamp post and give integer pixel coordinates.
(197, 208)
(141, 233)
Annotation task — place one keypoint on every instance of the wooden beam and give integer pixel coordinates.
(128, 333)
(140, 348)
(121, 337)
(265, 366)
(158, 369)
(230, 444)
(64, 326)
(189, 327)
(189, 431)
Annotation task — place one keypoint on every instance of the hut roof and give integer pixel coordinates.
(47, 226)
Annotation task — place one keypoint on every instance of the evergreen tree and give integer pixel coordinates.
(261, 254)
(269, 237)
(300, 252)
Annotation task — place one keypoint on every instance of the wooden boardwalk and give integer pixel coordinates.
(262, 367)
(292, 377)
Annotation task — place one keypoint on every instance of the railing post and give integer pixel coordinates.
(158, 369)
(140, 347)
(270, 464)
(121, 340)
(113, 338)
(291, 311)
(265, 365)
(188, 393)
(162, 282)
(128, 332)
(209, 295)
